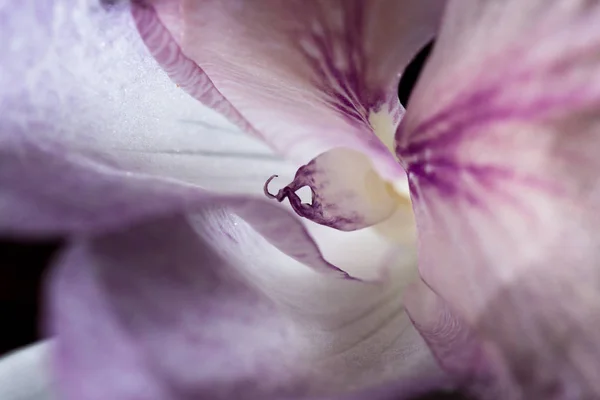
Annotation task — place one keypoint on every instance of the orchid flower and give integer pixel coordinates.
(251, 213)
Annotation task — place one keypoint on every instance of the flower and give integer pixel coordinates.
(182, 280)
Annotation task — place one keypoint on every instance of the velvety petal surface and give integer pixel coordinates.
(95, 136)
(82, 91)
(121, 310)
(500, 145)
(305, 78)
(77, 74)
(47, 191)
(202, 309)
(459, 349)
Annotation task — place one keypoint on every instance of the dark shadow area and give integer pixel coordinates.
(444, 396)
(412, 73)
(22, 266)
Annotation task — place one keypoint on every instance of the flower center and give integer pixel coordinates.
(384, 128)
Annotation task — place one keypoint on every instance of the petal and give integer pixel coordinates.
(46, 191)
(384, 251)
(166, 311)
(92, 120)
(330, 65)
(456, 346)
(76, 74)
(502, 162)
(305, 79)
(89, 134)
(24, 374)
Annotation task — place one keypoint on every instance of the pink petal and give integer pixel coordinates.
(457, 347)
(86, 82)
(92, 123)
(58, 175)
(47, 191)
(165, 311)
(501, 145)
(304, 78)
(92, 128)
(312, 73)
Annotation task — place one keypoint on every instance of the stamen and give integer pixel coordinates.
(289, 192)
(266, 188)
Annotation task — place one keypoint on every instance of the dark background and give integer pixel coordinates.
(22, 266)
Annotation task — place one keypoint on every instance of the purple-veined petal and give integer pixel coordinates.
(304, 77)
(84, 74)
(82, 92)
(322, 308)
(500, 146)
(80, 85)
(166, 311)
(94, 135)
(53, 184)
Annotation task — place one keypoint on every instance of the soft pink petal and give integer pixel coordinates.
(165, 311)
(92, 122)
(95, 136)
(304, 77)
(457, 347)
(59, 176)
(49, 191)
(501, 147)
(78, 75)
(296, 71)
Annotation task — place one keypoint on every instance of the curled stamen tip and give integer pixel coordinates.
(266, 187)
